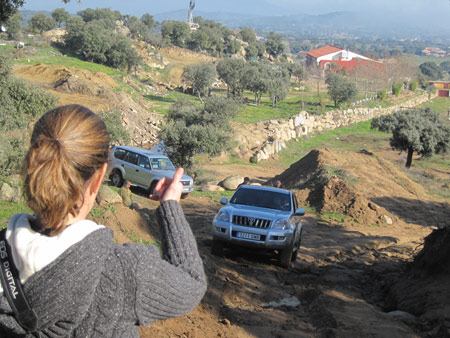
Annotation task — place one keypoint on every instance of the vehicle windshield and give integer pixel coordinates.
(161, 164)
(262, 199)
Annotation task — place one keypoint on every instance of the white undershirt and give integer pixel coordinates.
(33, 251)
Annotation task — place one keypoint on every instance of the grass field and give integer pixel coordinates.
(355, 137)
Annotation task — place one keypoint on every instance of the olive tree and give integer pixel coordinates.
(418, 131)
(340, 89)
(60, 15)
(201, 77)
(192, 129)
(40, 23)
(9, 8)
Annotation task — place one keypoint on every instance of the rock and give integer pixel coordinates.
(9, 194)
(402, 316)
(387, 219)
(232, 182)
(210, 187)
(225, 322)
(107, 196)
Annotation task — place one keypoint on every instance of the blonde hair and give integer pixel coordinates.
(68, 145)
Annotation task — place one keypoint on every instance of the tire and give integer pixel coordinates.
(217, 248)
(183, 196)
(285, 257)
(297, 248)
(116, 178)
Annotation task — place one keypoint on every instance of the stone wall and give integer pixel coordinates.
(264, 139)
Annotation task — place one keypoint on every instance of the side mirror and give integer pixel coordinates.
(300, 212)
(223, 201)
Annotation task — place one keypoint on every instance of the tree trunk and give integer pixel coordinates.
(409, 158)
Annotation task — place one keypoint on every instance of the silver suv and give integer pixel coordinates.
(261, 217)
(143, 168)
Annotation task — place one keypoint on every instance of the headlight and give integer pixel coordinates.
(281, 224)
(223, 215)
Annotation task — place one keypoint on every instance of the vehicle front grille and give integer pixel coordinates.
(251, 222)
(186, 183)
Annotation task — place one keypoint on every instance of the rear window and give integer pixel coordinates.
(119, 154)
(262, 199)
(132, 158)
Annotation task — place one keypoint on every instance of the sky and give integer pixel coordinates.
(415, 9)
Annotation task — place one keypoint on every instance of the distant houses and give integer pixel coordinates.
(435, 52)
(331, 58)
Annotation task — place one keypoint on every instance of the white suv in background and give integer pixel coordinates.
(142, 168)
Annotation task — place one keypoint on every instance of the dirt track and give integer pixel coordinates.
(336, 288)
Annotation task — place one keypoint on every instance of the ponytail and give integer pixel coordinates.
(68, 145)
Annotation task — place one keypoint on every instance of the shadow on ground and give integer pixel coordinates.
(419, 212)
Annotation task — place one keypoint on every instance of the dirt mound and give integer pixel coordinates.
(326, 180)
(51, 74)
(96, 91)
(435, 255)
(74, 84)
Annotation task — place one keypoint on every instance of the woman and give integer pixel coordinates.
(76, 279)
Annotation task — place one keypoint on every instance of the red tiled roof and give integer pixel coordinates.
(323, 51)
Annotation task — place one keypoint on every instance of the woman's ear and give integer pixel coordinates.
(97, 179)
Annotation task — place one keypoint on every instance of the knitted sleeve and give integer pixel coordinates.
(174, 284)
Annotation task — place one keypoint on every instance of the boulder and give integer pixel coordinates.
(232, 182)
(210, 187)
(107, 196)
(9, 194)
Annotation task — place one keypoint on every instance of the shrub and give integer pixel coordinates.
(382, 95)
(113, 121)
(413, 86)
(397, 88)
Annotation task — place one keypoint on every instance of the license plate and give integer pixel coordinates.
(246, 235)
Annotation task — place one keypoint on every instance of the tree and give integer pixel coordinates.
(201, 77)
(231, 71)
(13, 25)
(298, 72)
(248, 34)
(41, 23)
(137, 28)
(445, 66)
(278, 81)
(192, 129)
(175, 32)
(9, 8)
(274, 44)
(148, 20)
(418, 131)
(233, 46)
(431, 70)
(340, 89)
(60, 15)
(256, 80)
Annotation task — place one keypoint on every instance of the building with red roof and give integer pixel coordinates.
(333, 58)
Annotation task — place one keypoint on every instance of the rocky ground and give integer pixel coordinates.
(354, 277)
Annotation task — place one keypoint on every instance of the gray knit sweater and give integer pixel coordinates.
(97, 288)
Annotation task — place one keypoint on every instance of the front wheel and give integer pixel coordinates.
(116, 178)
(285, 256)
(297, 248)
